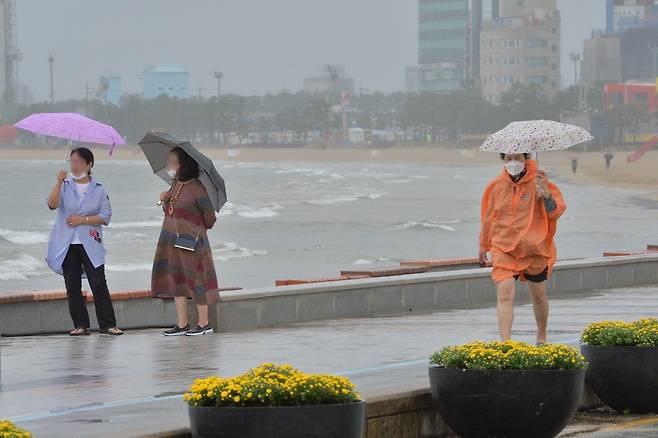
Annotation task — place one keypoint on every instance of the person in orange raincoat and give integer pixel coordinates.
(520, 209)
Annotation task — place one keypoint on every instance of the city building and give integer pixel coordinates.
(490, 9)
(639, 49)
(521, 49)
(448, 44)
(631, 93)
(623, 15)
(520, 8)
(411, 80)
(330, 79)
(110, 88)
(172, 81)
(601, 60)
(626, 50)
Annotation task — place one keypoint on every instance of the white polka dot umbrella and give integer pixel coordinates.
(535, 136)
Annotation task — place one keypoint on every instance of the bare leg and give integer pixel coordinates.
(181, 311)
(540, 307)
(506, 291)
(203, 315)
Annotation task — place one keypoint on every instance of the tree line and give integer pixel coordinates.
(422, 117)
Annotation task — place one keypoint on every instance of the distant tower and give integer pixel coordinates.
(10, 56)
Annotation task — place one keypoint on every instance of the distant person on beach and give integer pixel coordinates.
(520, 209)
(608, 160)
(574, 165)
(183, 266)
(76, 247)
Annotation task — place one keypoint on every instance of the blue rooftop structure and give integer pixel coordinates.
(170, 80)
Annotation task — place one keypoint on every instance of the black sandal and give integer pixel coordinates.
(79, 331)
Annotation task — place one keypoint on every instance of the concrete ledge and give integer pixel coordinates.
(386, 272)
(365, 297)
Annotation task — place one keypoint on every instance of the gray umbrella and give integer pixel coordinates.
(156, 146)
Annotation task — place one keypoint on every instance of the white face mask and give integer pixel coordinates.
(78, 177)
(514, 168)
(171, 173)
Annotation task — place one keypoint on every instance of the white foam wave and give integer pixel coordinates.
(224, 251)
(400, 181)
(344, 198)
(20, 268)
(258, 213)
(136, 224)
(304, 171)
(23, 237)
(129, 267)
(127, 236)
(362, 262)
(443, 225)
(255, 212)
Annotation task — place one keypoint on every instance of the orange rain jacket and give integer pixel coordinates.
(516, 228)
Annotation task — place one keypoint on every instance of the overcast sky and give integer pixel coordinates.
(260, 45)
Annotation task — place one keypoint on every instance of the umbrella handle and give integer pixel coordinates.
(66, 156)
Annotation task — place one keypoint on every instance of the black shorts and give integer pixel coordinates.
(539, 278)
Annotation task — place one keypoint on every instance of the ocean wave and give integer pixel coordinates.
(255, 212)
(129, 267)
(362, 262)
(443, 225)
(400, 181)
(21, 267)
(224, 251)
(304, 171)
(136, 224)
(126, 236)
(344, 198)
(23, 237)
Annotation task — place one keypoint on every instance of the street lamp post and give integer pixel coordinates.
(219, 76)
(51, 61)
(575, 58)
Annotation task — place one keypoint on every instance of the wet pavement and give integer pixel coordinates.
(130, 385)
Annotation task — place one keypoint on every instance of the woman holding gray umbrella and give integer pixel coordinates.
(183, 266)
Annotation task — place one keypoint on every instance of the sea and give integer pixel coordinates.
(302, 220)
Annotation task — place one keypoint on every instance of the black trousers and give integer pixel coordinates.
(77, 259)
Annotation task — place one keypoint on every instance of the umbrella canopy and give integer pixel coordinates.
(72, 127)
(535, 136)
(156, 147)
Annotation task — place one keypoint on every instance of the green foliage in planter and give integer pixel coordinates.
(271, 385)
(509, 355)
(641, 333)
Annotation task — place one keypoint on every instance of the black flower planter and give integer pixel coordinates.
(509, 404)
(322, 421)
(625, 378)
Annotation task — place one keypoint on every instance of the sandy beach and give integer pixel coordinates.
(642, 174)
